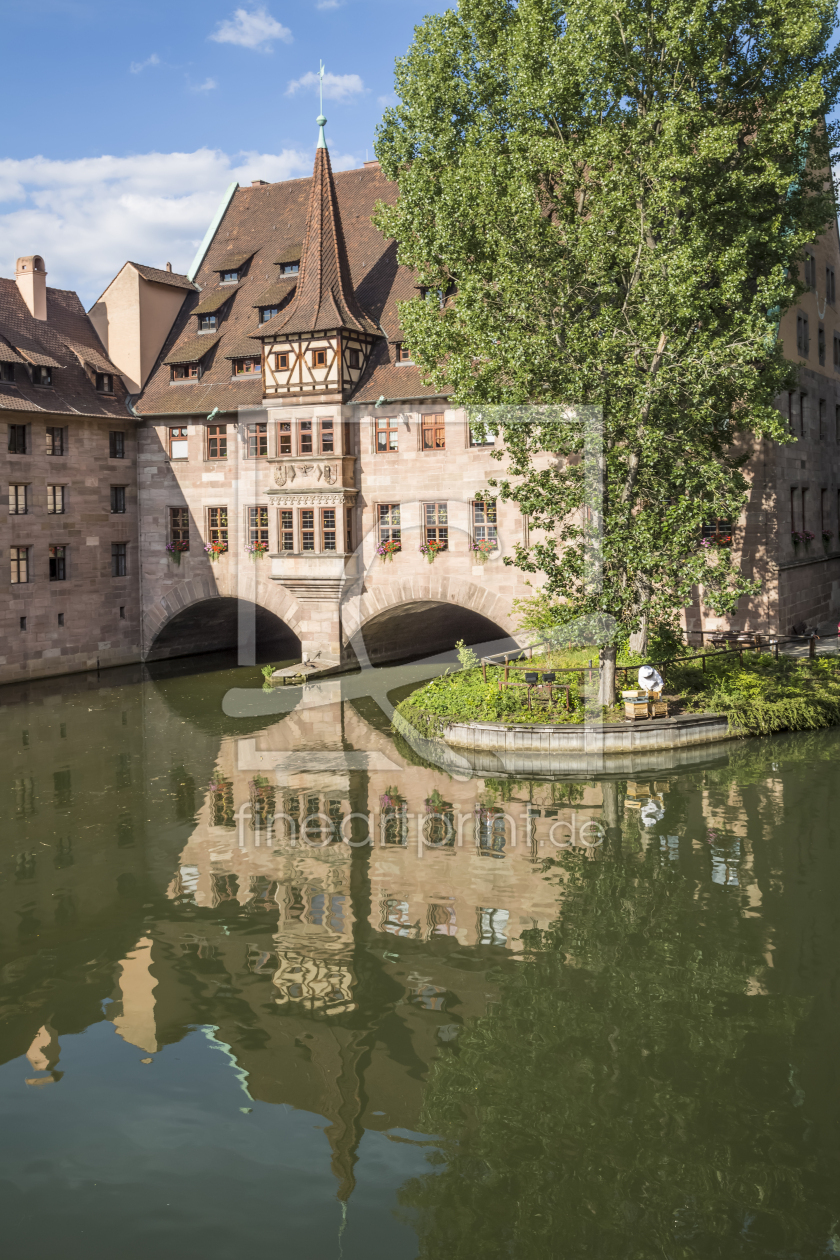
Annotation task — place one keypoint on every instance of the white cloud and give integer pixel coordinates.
(137, 66)
(386, 100)
(207, 86)
(257, 29)
(337, 87)
(88, 216)
(329, 4)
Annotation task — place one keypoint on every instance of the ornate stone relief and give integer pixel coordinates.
(285, 474)
(308, 500)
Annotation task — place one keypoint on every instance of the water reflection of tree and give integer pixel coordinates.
(627, 1097)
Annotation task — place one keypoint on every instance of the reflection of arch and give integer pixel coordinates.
(192, 618)
(421, 615)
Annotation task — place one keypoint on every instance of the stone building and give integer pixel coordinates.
(285, 414)
(278, 470)
(789, 534)
(68, 456)
(286, 427)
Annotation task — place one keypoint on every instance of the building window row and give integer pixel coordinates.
(806, 420)
(304, 529)
(315, 436)
(435, 523)
(21, 563)
(20, 499)
(815, 514)
(103, 381)
(432, 434)
(20, 441)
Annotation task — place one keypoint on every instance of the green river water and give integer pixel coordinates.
(470, 1038)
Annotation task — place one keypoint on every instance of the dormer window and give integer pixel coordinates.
(208, 323)
(268, 312)
(7, 373)
(41, 375)
(403, 353)
(104, 383)
(186, 371)
(231, 277)
(247, 367)
(289, 268)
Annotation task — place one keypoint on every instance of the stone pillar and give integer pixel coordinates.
(317, 584)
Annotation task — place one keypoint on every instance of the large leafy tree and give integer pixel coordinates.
(611, 199)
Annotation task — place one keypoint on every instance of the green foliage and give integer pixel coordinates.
(612, 200)
(466, 656)
(467, 697)
(760, 694)
(624, 1095)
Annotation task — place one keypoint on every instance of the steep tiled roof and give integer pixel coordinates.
(215, 299)
(163, 277)
(290, 254)
(8, 355)
(324, 297)
(385, 378)
(192, 351)
(270, 220)
(231, 262)
(241, 348)
(276, 293)
(65, 341)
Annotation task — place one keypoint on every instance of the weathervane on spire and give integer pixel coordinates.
(321, 120)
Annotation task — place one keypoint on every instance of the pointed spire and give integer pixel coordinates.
(324, 297)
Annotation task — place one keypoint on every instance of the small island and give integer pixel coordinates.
(756, 691)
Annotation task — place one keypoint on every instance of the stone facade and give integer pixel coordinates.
(69, 576)
(90, 616)
(343, 603)
(283, 412)
(795, 488)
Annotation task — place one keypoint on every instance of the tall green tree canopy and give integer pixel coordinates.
(612, 197)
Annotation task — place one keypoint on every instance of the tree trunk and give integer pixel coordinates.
(606, 682)
(612, 813)
(639, 638)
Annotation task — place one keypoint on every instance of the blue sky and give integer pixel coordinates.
(128, 121)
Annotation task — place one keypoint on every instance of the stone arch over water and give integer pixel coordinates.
(212, 622)
(423, 615)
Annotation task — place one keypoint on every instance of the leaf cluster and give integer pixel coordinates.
(607, 204)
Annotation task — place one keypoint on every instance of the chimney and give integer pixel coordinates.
(169, 266)
(258, 183)
(31, 280)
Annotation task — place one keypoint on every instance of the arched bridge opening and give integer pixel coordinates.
(423, 628)
(226, 624)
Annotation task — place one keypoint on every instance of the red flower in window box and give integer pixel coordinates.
(389, 549)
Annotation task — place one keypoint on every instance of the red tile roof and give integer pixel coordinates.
(66, 341)
(324, 298)
(271, 220)
(160, 276)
